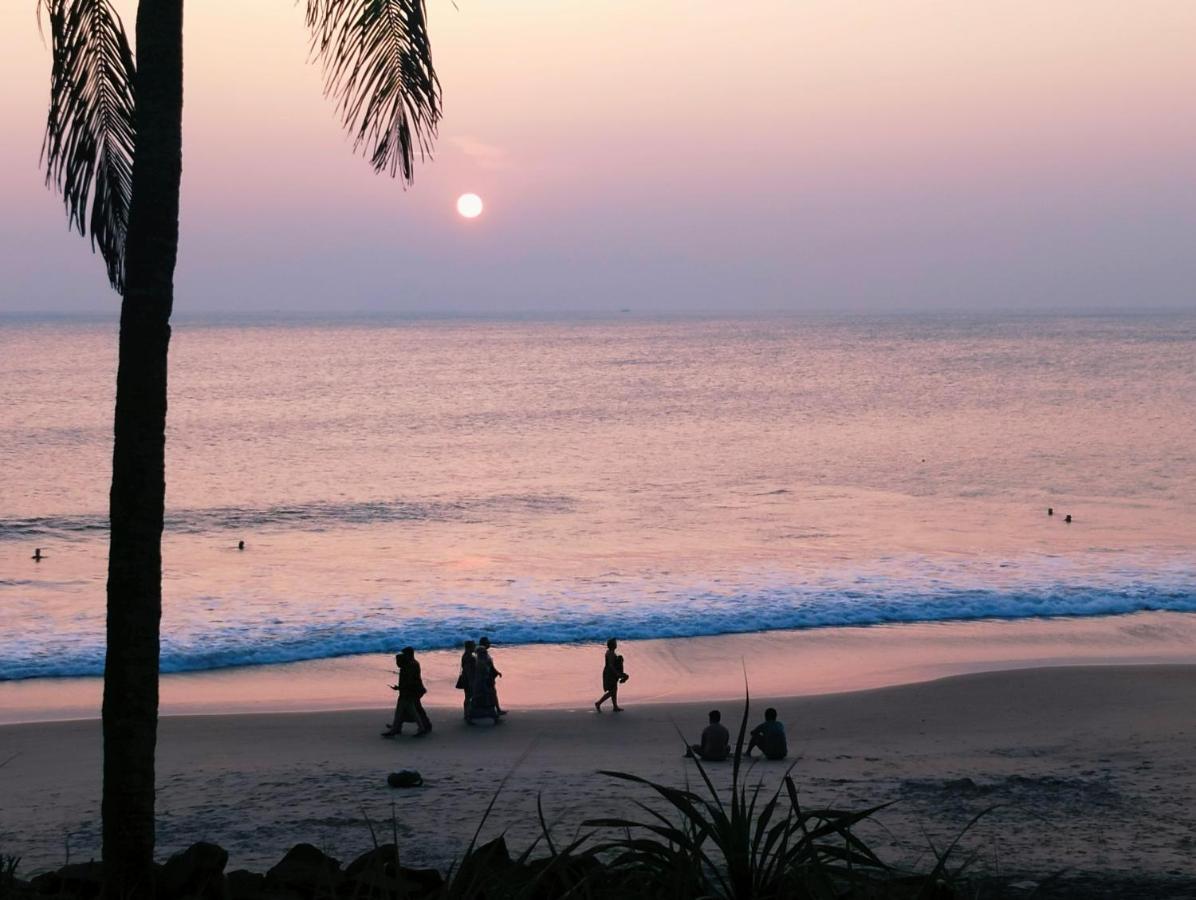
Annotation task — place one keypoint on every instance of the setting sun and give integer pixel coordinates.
(469, 205)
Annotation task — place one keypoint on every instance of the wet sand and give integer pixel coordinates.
(1089, 767)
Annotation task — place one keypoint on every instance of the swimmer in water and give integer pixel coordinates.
(37, 555)
(240, 545)
(1067, 518)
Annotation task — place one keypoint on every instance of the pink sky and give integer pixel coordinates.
(665, 155)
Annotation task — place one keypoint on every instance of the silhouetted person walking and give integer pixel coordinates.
(409, 707)
(769, 736)
(612, 676)
(716, 741)
(484, 644)
(465, 681)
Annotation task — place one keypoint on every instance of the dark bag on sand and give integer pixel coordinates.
(404, 778)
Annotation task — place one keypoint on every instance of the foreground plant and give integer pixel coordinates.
(8, 874)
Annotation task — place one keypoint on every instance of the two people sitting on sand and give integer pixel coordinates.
(409, 707)
(768, 737)
(612, 676)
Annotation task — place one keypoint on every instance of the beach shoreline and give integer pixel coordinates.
(1087, 766)
(806, 662)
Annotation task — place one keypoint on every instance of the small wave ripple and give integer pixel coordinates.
(295, 517)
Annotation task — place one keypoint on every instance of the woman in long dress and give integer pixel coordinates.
(409, 707)
(612, 676)
(465, 681)
(484, 643)
(485, 700)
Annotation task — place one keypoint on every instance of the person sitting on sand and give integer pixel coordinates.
(612, 676)
(409, 707)
(469, 666)
(483, 701)
(484, 644)
(716, 741)
(769, 736)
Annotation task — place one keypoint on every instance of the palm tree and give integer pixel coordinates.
(113, 149)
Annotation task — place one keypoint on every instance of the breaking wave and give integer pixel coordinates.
(343, 629)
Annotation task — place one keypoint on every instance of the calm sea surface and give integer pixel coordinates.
(415, 482)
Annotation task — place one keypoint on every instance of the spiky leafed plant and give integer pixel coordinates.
(113, 149)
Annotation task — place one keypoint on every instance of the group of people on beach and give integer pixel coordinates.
(478, 681)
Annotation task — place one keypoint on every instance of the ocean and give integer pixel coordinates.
(551, 482)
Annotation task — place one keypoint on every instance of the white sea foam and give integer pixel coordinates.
(343, 630)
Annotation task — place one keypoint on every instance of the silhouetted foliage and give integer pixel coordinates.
(113, 149)
(90, 130)
(378, 68)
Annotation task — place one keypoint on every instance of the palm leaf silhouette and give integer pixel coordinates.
(378, 69)
(90, 129)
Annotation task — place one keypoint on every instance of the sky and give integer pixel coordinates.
(667, 156)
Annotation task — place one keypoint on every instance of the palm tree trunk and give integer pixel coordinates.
(130, 714)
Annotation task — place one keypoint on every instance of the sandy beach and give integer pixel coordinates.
(1087, 768)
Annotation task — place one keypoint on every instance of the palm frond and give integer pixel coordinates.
(378, 69)
(90, 130)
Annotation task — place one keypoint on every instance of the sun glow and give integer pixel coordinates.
(469, 205)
